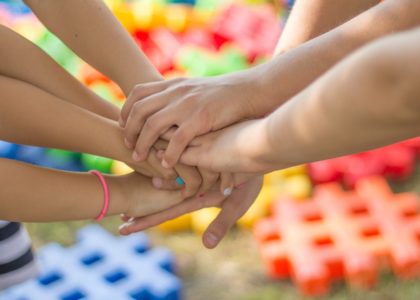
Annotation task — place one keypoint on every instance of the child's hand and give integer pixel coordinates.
(238, 149)
(140, 196)
(232, 207)
(195, 106)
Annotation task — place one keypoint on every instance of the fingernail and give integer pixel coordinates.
(123, 228)
(165, 164)
(136, 156)
(160, 154)
(211, 239)
(227, 191)
(157, 182)
(179, 181)
(128, 144)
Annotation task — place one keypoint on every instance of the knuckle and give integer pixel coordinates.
(151, 123)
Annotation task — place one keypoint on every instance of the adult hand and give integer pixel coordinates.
(240, 148)
(192, 106)
(232, 208)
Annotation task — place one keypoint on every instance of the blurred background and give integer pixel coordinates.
(209, 38)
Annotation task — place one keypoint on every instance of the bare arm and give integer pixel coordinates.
(369, 100)
(33, 194)
(90, 30)
(198, 106)
(311, 18)
(24, 61)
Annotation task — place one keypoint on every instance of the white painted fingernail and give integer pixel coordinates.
(227, 191)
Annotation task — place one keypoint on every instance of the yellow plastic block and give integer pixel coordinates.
(298, 186)
(178, 17)
(125, 15)
(201, 219)
(181, 223)
(120, 168)
(148, 15)
(258, 210)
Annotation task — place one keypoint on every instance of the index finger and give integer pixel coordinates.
(139, 92)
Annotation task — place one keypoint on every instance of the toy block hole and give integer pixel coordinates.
(409, 213)
(139, 294)
(73, 295)
(313, 217)
(371, 232)
(92, 259)
(359, 210)
(141, 248)
(50, 278)
(116, 276)
(324, 241)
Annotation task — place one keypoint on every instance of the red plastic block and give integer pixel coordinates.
(342, 235)
(254, 30)
(160, 46)
(395, 161)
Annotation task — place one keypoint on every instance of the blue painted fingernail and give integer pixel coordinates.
(179, 181)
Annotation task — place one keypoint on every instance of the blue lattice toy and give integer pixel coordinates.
(99, 267)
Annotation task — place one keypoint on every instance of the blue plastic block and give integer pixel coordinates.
(8, 150)
(187, 2)
(30, 154)
(101, 266)
(16, 7)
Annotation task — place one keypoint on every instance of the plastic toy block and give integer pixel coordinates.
(187, 2)
(201, 219)
(120, 168)
(254, 30)
(182, 223)
(8, 150)
(342, 235)
(178, 17)
(199, 37)
(395, 161)
(101, 266)
(160, 46)
(200, 62)
(93, 162)
(149, 14)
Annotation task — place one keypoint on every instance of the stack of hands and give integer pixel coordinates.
(177, 132)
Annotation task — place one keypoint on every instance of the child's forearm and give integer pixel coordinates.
(287, 74)
(311, 18)
(34, 194)
(90, 29)
(369, 100)
(24, 61)
(29, 115)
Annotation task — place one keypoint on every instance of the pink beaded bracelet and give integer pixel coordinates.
(104, 210)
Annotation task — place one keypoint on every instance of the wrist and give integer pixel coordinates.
(262, 83)
(118, 201)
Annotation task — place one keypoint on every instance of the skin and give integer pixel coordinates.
(376, 88)
(46, 196)
(258, 91)
(86, 26)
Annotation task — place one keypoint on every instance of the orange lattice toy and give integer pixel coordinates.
(342, 235)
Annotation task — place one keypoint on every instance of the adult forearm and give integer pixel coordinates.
(311, 18)
(289, 73)
(34, 194)
(91, 30)
(370, 100)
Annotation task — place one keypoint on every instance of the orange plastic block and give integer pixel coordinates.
(342, 235)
